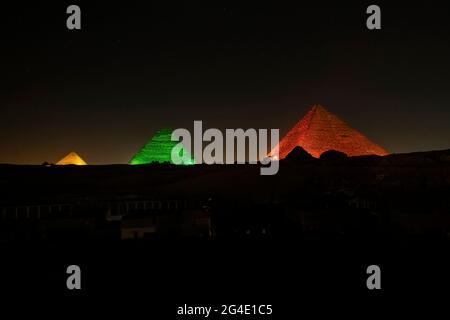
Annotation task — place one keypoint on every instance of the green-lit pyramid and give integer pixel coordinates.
(159, 150)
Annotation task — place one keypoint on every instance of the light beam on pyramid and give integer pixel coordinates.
(72, 158)
(320, 130)
(159, 150)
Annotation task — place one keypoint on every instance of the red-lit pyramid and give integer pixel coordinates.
(319, 131)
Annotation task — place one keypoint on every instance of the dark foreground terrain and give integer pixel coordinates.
(393, 195)
(163, 236)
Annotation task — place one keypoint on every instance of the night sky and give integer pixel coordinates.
(134, 68)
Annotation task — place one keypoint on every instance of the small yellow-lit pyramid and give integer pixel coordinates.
(72, 158)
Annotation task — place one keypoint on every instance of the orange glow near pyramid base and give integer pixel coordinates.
(320, 130)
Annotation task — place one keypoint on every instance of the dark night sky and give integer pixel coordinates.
(134, 68)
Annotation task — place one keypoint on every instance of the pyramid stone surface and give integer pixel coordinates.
(72, 158)
(158, 150)
(320, 130)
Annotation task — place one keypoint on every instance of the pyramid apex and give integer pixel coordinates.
(318, 107)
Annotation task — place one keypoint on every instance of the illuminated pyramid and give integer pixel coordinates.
(159, 150)
(72, 158)
(319, 131)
